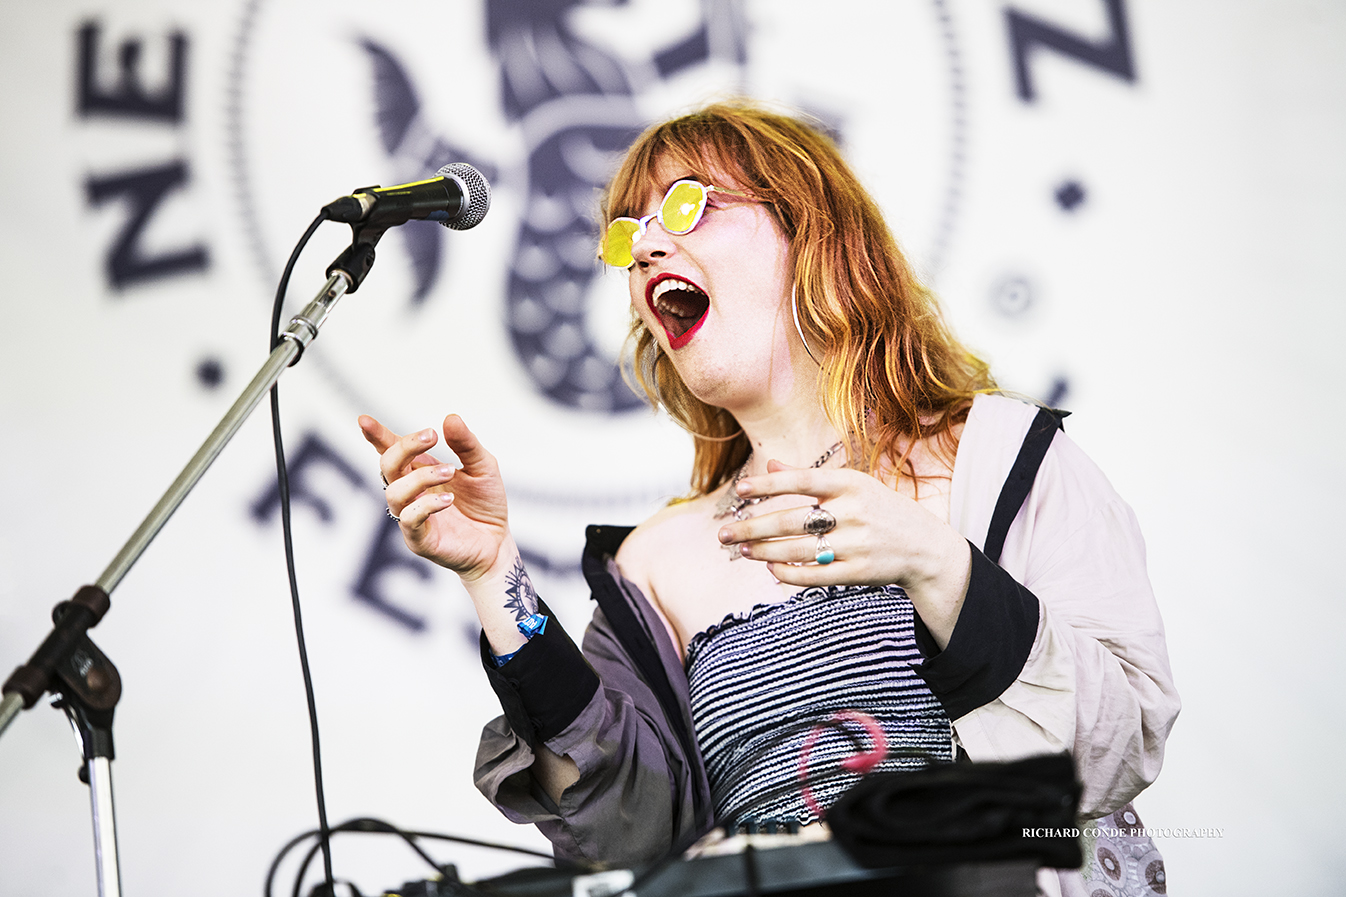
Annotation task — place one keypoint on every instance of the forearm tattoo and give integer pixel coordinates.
(521, 596)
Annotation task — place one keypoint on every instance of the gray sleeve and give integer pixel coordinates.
(634, 793)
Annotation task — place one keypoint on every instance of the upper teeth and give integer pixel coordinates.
(664, 286)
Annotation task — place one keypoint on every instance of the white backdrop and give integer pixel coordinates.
(1154, 252)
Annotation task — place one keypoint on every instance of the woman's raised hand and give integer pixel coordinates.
(456, 517)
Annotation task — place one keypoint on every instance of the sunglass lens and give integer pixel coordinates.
(682, 206)
(618, 242)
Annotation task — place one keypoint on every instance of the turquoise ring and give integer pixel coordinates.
(824, 555)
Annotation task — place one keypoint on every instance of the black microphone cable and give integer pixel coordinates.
(477, 201)
(370, 826)
(283, 485)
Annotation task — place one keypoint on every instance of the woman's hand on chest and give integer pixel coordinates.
(877, 536)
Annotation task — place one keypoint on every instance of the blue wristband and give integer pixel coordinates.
(536, 624)
(533, 625)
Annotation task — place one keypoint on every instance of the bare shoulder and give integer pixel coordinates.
(649, 543)
(654, 553)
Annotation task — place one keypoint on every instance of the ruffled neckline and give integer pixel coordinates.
(764, 609)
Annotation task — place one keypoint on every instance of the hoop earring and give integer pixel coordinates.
(730, 438)
(794, 309)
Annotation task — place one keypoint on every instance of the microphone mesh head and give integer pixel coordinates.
(478, 194)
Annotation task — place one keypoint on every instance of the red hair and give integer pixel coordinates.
(892, 373)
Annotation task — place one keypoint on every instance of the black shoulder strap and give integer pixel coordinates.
(1020, 480)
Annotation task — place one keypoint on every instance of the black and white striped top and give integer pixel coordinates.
(761, 682)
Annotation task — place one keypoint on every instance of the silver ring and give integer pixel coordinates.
(818, 521)
(824, 555)
(392, 515)
(385, 480)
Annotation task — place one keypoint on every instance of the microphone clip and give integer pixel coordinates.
(357, 259)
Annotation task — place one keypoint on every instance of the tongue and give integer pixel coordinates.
(680, 310)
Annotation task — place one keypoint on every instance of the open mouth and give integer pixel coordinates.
(681, 306)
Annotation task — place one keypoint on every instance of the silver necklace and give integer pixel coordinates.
(732, 504)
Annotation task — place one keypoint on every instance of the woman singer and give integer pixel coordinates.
(840, 552)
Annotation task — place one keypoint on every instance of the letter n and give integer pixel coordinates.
(127, 261)
(1111, 54)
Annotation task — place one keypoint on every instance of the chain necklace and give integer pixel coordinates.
(732, 504)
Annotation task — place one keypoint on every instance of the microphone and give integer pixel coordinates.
(457, 197)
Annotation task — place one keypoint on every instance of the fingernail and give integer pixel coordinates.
(444, 470)
(726, 536)
(445, 498)
(743, 488)
(427, 435)
(745, 551)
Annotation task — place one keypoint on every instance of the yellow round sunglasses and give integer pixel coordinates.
(679, 213)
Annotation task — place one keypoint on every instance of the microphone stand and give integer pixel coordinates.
(67, 661)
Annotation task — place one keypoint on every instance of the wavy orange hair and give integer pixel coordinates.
(892, 372)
